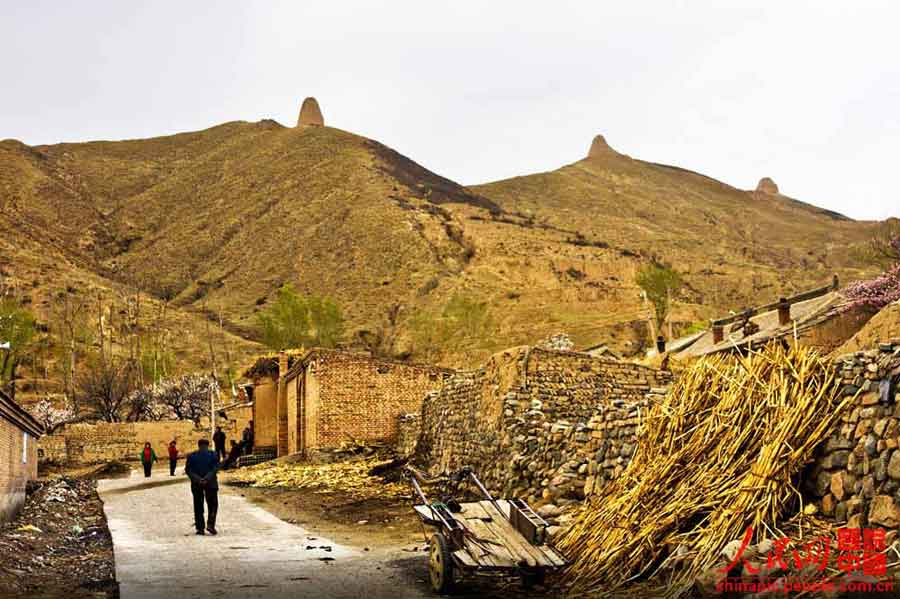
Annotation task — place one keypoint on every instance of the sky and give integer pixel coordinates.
(807, 93)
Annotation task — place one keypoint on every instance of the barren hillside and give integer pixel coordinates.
(217, 220)
(735, 247)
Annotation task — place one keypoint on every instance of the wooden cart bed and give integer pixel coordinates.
(491, 542)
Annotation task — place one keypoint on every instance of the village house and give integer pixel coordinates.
(815, 318)
(19, 433)
(323, 398)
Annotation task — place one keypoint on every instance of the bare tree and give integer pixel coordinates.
(73, 334)
(105, 387)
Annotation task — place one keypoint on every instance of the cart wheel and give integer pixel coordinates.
(440, 564)
(533, 578)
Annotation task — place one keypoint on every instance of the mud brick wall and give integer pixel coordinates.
(856, 476)
(103, 442)
(538, 424)
(408, 428)
(359, 397)
(14, 470)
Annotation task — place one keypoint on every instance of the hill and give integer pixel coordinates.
(736, 248)
(212, 223)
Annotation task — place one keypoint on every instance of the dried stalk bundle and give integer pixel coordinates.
(722, 452)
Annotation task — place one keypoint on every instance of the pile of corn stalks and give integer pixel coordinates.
(351, 478)
(720, 453)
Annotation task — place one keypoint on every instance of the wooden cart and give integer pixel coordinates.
(503, 536)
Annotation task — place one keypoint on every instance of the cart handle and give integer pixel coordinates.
(471, 475)
(413, 480)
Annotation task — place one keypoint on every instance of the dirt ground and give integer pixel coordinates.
(386, 527)
(381, 526)
(373, 523)
(59, 545)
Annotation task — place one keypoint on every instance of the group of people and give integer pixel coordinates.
(244, 447)
(201, 467)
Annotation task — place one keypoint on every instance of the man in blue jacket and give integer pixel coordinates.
(201, 467)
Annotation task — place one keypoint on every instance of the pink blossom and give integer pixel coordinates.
(878, 292)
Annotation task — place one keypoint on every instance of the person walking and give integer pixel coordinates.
(247, 439)
(233, 455)
(173, 458)
(219, 442)
(201, 467)
(148, 456)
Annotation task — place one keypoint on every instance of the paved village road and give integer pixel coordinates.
(255, 554)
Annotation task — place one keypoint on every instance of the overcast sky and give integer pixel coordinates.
(806, 93)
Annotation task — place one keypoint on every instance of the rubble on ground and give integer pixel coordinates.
(59, 544)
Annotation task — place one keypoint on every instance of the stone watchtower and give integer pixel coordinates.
(310, 114)
(600, 149)
(767, 186)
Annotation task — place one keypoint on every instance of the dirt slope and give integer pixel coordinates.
(736, 247)
(217, 220)
(881, 328)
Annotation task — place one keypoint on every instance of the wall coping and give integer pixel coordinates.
(300, 364)
(16, 414)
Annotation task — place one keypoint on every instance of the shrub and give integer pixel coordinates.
(659, 283)
(295, 320)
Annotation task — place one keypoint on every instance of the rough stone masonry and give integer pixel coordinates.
(856, 477)
(547, 426)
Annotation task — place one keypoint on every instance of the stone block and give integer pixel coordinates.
(883, 511)
(841, 484)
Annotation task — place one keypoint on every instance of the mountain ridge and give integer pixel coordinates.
(215, 221)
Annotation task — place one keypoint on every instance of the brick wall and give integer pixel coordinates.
(293, 424)
(103, 442)
(282, 407)
(14, 472)
(537, 424)
(351, 395)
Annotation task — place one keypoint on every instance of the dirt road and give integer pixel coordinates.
(255, 554)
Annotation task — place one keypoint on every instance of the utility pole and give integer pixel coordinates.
(212, 413)
(669, 311)
(651, 317)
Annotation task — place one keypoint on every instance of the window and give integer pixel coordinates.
(24, 448)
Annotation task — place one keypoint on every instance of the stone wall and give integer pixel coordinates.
(18, 464)
(856, 477)
(409, 426)
(538, 424)
(103, 441)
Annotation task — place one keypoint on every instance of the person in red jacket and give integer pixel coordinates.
(148, 456)
(173, 458)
